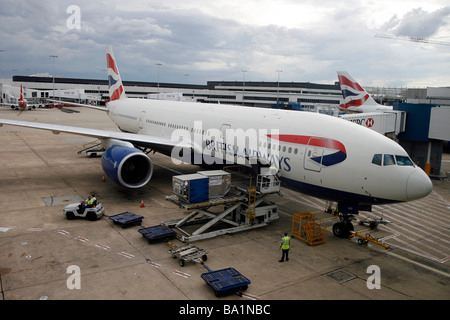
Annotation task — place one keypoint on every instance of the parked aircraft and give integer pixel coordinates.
(356, 98)
(316, 154)
(22, 103)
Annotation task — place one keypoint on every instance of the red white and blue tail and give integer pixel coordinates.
(354, 95)
(116, 90)
(22, 102)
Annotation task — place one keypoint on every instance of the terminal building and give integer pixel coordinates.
(253, 94)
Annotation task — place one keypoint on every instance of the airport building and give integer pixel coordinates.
(254, 94)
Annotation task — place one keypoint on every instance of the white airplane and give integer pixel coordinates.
(316, 154)
(22, 104)
(356, 98)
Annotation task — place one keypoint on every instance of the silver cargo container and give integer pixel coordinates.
(219, 182)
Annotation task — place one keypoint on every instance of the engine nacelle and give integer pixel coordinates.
(127, 166)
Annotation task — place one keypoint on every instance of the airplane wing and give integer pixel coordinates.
(78, 104)
(136, 139)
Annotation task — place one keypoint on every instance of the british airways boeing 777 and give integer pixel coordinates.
(316, 154)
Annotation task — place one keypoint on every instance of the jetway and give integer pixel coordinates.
(388, 122)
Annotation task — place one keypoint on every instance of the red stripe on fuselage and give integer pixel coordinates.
(308, 140)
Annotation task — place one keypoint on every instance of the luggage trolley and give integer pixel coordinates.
(188, 253)
(224, 281)
(157, 233)
(127, 219)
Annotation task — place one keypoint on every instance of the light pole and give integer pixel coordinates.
(158, 65)
(243, 86)
(53, 57)
(278, 85)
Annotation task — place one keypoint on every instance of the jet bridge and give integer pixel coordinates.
(388, 122)
(240, 209)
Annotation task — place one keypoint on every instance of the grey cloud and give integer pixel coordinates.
(418, 23)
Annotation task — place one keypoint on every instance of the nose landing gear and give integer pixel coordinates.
(344, 227)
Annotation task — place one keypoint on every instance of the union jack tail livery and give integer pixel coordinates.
(356, 98)
(22, 102)
(116, 90)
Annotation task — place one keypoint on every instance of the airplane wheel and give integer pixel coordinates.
(349, 227)
(338, 229)
(91, 216)
(342, 229)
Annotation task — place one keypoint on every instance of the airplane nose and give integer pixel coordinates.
(418, 186)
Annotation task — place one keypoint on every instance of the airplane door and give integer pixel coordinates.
(314, 154)
(141, 119)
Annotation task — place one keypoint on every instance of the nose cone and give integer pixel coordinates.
(418, 186)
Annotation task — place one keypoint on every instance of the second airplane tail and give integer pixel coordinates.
(116, 90)
(355, 96)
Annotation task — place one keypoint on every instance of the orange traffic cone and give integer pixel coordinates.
(142, 203)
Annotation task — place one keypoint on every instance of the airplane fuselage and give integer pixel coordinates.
(316, 154)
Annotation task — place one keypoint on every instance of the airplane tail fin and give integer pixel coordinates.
(354, 95)
(21, 93)
(116, 90)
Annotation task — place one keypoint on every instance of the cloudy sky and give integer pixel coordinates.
(199, 40)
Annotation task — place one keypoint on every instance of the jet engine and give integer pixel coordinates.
(128, 167)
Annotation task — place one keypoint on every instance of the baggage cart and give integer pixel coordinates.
(225, 281)
(157, 233)
(127, 219)
(188, 253)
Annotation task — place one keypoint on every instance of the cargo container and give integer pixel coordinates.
(192, 188)
(219, 182)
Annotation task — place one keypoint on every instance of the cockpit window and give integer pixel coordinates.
(388, 160)
(404, 161)
(377, 158)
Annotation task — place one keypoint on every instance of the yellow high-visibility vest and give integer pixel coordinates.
(285, 243)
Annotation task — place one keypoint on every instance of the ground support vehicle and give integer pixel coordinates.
(78, 210)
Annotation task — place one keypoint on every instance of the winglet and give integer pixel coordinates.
(116, 90)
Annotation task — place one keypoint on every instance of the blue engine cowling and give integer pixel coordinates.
(128, 167)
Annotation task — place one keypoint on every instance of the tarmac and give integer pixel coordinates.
(41, 172)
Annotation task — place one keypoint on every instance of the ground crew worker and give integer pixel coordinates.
(93, 200)
(284, 246)
(88, 203)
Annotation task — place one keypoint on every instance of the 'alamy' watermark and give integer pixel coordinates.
(374, 281)
(74, 20)
(74, 280)
(226, 145)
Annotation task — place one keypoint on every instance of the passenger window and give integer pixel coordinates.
(404, 161)
(377, 159)
(388, 160)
